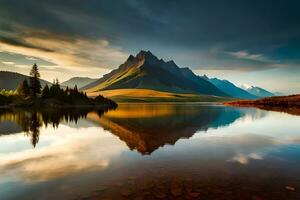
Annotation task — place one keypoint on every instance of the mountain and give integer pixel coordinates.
(146, 71)
(79, 81)
(258, 91)
(230, 89)
(279, 94)
(11, 80)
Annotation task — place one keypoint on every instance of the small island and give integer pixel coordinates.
(289, 104)
(30, 94)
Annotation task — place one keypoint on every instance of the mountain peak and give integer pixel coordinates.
(130, 58)
(147, 56)
(257, 91)
(245, 86)
(205, 77)
(171, 62)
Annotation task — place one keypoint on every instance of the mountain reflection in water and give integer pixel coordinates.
(148, 127)
(144, 128)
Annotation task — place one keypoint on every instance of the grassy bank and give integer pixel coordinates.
(146, 95)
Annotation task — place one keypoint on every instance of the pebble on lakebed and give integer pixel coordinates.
(290, 188)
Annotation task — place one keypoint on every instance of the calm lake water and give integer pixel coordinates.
(150, 151)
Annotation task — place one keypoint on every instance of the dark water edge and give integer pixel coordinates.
(293, 110)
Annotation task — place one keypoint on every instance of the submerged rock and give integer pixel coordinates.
(176, 191)
(194, 194)
(160, 194)
(126, 192)
(146, 185)
(290, 188)
(176, 188)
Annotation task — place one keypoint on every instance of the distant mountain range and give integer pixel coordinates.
(258, 91)
(145, 74)
(230, 89)
(11, 80)
(279, 94)
(79, 81)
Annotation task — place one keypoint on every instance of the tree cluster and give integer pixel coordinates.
(65, 95)
(58, 95)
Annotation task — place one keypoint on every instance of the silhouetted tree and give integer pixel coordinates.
(45, 92)
(35, 128)
(35, 85)
(20, 89)
(26, 89)
(23, 88)
(57, 82)
(75, 89)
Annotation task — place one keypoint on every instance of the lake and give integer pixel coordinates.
(150, 151)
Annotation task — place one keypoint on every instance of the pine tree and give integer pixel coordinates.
(57, 83)
(26, 89)
(23, 88)
(75, 89)
(20, 89)
(46, 92)
(35, 85)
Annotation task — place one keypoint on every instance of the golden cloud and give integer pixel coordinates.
(76, 54)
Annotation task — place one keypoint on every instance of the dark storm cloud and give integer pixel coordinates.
(268, 31)
(21, 43)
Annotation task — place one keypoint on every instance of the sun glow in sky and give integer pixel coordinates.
(248, 42)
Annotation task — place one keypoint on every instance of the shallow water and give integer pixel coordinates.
(150, 151)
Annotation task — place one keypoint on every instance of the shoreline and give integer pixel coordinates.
(44, 106)
(174, 102)
(288, 104)
(54, 106)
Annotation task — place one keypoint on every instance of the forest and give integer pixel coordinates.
(31, 94)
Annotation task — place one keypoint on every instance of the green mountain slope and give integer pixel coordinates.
(79, 81)
(11, 80)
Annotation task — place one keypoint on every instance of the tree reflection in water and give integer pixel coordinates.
(34, 128)
(30, 121)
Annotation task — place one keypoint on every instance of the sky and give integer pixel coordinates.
(249, 42)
